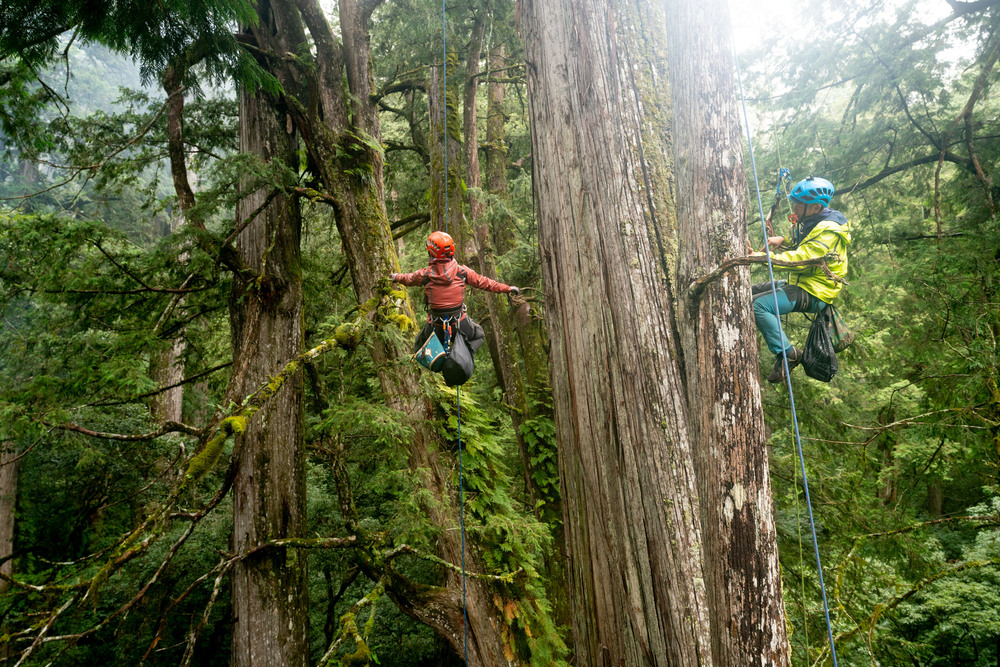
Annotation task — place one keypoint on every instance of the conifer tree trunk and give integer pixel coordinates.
(499, 332)
(444, 136)
(470, 115)
(168, 364)
(528, 329)
(495, 149)
(270, 593)
(626, 463)
(742, 575)
(665, 570)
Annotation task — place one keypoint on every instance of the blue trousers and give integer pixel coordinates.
(791, 299)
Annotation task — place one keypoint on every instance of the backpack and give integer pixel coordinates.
(431, 354)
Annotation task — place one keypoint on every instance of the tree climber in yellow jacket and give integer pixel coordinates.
(816, 231)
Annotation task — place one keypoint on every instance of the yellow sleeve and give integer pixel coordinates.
(815, 246)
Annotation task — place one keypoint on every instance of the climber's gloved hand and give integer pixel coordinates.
(392, 277)
(514, 291)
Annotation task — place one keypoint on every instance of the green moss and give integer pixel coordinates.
(347, 335)
(368, 306)
(362, 656)
(403, 321)
(206, 459)
(235, 425)
(275, 384)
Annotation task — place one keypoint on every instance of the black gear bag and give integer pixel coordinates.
(459, 364)
(819, 359)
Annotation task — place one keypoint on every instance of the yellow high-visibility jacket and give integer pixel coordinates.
(827, 236)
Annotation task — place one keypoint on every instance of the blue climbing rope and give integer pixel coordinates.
(444, 110)
(461, 516)
(788, 375)
(458, 391)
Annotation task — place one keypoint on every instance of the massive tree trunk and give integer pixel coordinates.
(270, 592)
(742, 575)
(643, 377)
(605, 232)
(330, 121)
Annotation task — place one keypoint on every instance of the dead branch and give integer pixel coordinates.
(698, 286)
(912, 420)
(193, 635)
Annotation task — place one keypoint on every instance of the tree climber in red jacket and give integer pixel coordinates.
(444, 282)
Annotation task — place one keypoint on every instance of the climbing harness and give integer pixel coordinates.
(788, 375)
(458, 390)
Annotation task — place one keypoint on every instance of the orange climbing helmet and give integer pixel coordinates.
(440, 245)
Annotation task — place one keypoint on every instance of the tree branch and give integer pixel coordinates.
(698, 286)
(954, 158)
(187, 380)
(963, 8)
(168, 427)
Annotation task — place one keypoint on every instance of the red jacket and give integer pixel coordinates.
(444, 283)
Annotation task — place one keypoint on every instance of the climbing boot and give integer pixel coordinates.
(794, 359)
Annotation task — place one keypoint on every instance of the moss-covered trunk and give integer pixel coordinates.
(341, 133)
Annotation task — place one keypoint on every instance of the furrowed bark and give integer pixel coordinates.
(270, 592)
(605, 231)
(742, 574)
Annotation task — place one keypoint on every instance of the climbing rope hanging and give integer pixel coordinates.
(458, 390)
(788, 375)
(783, 177)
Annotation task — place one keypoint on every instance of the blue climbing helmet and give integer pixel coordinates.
(812, 191)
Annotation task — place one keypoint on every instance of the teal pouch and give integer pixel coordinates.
(432, 354)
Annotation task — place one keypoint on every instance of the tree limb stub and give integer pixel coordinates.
(698, 286)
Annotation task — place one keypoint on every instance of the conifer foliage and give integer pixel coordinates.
(210, 426)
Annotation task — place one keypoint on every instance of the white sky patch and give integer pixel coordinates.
(759, 22)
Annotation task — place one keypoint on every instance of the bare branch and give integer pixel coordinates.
(168, 427)
(911, 420)
(963, 8)
(698, 286)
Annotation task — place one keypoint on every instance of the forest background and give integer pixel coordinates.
(126, 301)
